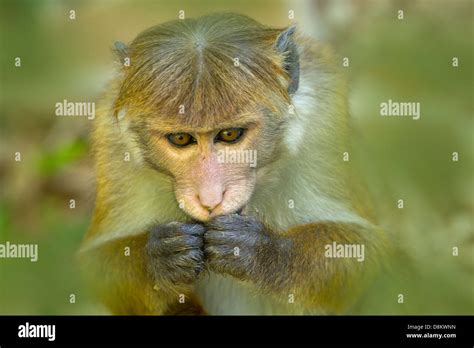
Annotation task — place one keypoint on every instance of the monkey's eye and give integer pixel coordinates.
(181, 139)
(230, 135)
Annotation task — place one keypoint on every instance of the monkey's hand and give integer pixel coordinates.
(240, 246)
(175, 253)
(293, 262)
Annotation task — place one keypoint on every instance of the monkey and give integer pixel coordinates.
(177, 229)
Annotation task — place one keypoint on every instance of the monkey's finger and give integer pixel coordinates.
(189, 259)
(212, 252)
(220, 237)
(182, 243)
(193, 229)
(224, 222)
(164, 231)
(234, 222)
(173, 245)
(177, 229)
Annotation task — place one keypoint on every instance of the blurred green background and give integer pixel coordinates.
(402, 60)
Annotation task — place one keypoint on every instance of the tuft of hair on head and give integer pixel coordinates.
(216, 67)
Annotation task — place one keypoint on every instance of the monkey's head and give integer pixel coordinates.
(207, 100)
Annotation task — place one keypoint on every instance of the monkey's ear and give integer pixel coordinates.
(286, 45)
(121, 50)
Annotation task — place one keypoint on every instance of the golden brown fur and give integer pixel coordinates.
(190, 63)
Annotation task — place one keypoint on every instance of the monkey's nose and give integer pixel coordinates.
(210, 200)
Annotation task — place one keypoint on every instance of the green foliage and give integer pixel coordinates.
(52, 162)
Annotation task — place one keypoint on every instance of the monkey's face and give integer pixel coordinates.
(214, 169)
(209, 121)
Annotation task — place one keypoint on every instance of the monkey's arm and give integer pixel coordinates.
(294, 262)
(147, 273)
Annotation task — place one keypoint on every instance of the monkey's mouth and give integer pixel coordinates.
(240, 211)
